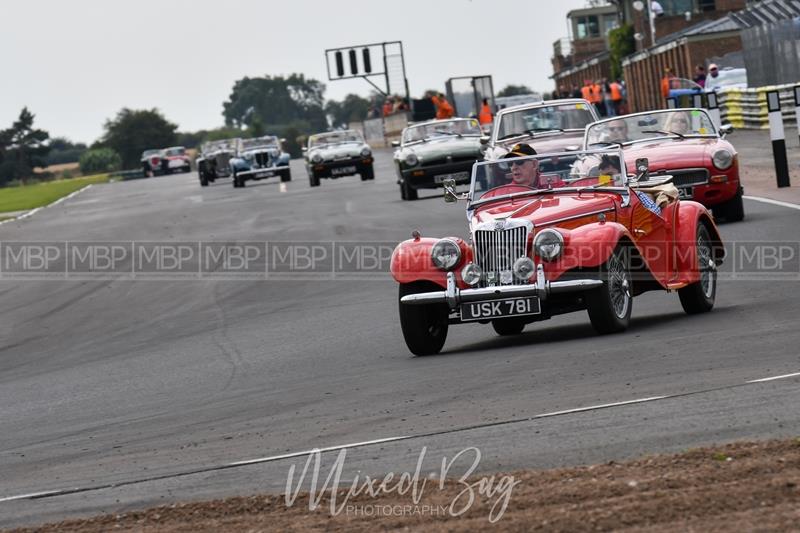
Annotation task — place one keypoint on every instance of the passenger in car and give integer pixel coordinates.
(679, 122)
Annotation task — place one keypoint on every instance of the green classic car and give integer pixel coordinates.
(431, 152)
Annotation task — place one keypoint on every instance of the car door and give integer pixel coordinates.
(652, 230)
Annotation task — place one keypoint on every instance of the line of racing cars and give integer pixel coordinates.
(565, 212)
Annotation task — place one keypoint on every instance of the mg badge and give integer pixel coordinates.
(499, 224)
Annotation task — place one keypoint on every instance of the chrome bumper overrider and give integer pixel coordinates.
(454, 296)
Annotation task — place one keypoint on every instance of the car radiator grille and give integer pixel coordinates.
(496, 252)
(262, 159)
(689, 177)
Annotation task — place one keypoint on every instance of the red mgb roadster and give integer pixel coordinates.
(685, 144)
(553, 234)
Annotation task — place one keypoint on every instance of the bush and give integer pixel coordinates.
(620, 44)
(98, 160)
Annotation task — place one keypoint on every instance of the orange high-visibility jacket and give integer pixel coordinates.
(485, 116)
(586, 92)
(597, 94)
(616, 92)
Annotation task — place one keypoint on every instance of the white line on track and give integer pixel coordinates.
(773, 378)
(772, 202)
(235, 464)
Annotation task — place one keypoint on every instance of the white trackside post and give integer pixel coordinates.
(776, 134)
(713, 109)
(697, 100)
(672, 102)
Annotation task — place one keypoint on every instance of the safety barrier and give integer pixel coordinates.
(747, 108)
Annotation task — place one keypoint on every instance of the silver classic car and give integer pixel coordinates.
(548, 127)
(214, 160)
(336, 154)
(259, 158)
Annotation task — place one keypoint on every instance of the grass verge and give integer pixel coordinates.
(26, 197)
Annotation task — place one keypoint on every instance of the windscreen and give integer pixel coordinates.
(249, 144)
(444, 128)
(544, 118)
(521, 175)
(336, 137)
(666, 123)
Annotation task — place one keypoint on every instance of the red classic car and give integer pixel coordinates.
(685, 144)
(554, 234)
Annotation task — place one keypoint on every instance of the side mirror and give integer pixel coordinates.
(304, 149)
(395, 144)
(282, 139)
(642, 169)
(572, 148)
(485, 139)
(450, 194)
(725, 129)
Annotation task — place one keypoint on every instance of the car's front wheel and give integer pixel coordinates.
(424, 326)
(699, 297)
(610, 305)
(408, 192)
(203, 179)
(313, 179)
(368, 173)
(286, 175)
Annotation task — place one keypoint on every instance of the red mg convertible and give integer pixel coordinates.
(685, 144)
(553, 234)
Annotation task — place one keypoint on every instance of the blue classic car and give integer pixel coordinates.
(259, 158)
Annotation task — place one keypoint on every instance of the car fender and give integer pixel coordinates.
(690, 214)
(283, 159)
(589, 246)
(411, 261)
(237, 163)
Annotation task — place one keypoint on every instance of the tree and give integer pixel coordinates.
(620, 44)
(100, 160)
(276, 101)
(353, 108)
(132, 132)
(514, 90)
(22, 147)
(62, 150)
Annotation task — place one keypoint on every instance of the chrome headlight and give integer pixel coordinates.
(524, 268)
(445, 254)
(471, 274)
(722, 159)
(366, 152)
(412, 159)
(548, 244)
(316, 158)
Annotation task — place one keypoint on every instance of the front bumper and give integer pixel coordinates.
(262, 173)
(424, 177)
(325, 168)
(453, 296)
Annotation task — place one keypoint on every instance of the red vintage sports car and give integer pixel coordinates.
(685, 144)
(554, 234)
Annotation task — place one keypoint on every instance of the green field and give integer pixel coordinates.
(26, 197)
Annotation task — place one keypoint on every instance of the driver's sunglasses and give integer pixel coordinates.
(518, 163)
(616, 128)
(713, 70)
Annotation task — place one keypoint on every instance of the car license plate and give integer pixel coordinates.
(458, 176)
(343, 170)
(500, 308)
(176, 164)
(685, 193)
(266, 174)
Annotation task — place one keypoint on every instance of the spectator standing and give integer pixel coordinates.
(586, 90)
(597, 98)
(485, 115)
(443, 107)
(616, 90)
(388, 108)
(700, 75)
(576, 92)
(608, 101)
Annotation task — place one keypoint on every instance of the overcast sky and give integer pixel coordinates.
(75, 63)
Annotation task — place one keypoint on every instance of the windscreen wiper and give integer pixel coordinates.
(682, 136)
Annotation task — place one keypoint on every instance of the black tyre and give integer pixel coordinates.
(203, 179)
(732, 210)
(235, 180)
(409, 192)
(367, 174)
(424, 326)
(286, 176)
(313, 180)
(508, 326)
(610, 306)
(699, 297)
